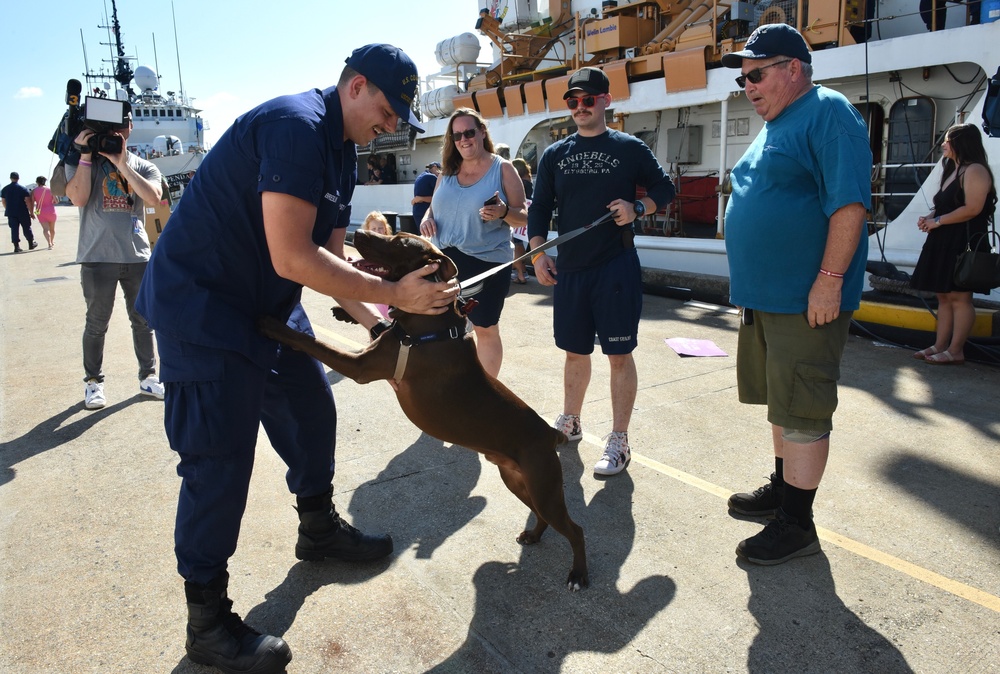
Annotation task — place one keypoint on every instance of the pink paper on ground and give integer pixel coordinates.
(694, 347)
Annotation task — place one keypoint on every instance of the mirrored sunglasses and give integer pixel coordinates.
(574, 103)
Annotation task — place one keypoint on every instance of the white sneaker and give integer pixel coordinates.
(617, 455)
(93, 395)
(151, 386)
(569, 424)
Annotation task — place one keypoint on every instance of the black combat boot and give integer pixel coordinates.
(322, 534)
(218, 637)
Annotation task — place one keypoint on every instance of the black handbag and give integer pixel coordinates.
(977, 268)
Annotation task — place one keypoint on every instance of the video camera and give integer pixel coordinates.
(105, 116)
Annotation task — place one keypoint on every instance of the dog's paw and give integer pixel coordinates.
(577, 580)
(528, 538)
(269, 326)
(340, 313)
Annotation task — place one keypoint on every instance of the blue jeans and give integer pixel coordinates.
(100, 280)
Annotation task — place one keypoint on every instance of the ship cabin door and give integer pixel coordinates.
(911, 144)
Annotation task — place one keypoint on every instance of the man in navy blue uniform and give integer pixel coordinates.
(252, 229)
(19, 208)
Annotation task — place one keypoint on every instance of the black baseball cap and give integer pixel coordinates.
(394, 73)
(590, 80)
(768, 41)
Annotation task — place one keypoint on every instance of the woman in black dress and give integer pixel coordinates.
(962, 210)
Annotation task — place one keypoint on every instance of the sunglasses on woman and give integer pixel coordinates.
(757, 74)
(574, 103)
(467, 134)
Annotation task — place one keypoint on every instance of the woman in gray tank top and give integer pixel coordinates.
(478, 197)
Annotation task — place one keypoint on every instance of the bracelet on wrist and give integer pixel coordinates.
(831, 274)
(506, 210)
(84, 162)
(534, 258)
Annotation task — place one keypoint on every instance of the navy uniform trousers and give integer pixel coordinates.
(215, 402)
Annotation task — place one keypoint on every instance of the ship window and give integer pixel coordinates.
(170, 113)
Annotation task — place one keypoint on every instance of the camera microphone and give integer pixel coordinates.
(73, 91)
(73, 121)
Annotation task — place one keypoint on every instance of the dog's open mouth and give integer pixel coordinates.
(371, 268)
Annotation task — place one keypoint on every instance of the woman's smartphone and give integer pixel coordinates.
(492, 201)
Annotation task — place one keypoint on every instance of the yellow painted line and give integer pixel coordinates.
(350, 343)
(954, 587)
(917, 318)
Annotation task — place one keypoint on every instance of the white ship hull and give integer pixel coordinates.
(902, 63)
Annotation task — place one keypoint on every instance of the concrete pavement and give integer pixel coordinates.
(909, 511)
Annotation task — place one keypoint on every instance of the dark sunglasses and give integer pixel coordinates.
(757, 74)
(574, 103)
(468, 133)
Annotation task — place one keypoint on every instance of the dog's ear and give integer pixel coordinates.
(448, 270)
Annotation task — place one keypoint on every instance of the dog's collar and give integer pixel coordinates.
(408, 341)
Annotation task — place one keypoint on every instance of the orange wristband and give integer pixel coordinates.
(534, 258)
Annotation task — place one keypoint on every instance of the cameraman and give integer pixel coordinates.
(111, 189)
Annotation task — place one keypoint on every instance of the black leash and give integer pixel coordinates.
(474, 285)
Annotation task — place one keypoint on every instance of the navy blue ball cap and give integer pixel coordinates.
(592, 81)
(394, 73)
(768, 41)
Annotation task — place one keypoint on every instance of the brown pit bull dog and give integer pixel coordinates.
(445, 392)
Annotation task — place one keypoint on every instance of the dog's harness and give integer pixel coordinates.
(408, 341)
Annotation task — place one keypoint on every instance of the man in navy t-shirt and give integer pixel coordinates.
(599, 288)
(254, 226)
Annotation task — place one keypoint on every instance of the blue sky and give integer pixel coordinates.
(234, 54)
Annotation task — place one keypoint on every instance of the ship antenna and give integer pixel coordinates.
(156, 60)
(123, 71)
(86, 66)
(180, 78)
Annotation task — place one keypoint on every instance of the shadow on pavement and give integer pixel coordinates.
(52, 433)
(966, 499)
(804, 625)
(526, 620)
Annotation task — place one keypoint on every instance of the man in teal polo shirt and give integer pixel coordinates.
(796, 271)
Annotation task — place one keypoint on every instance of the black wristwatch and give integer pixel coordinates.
(379, 328)
(640, 209)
